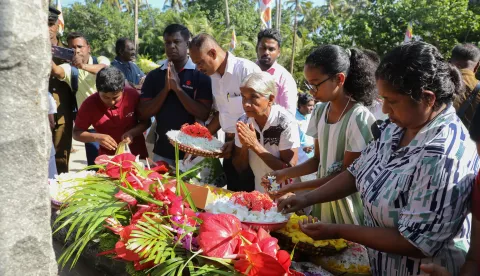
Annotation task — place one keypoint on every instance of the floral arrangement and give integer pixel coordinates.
(195, 136)
(353, 260)
(196, 130)
(292, 229)
(140, 217)
(64, 185)
(248, 207)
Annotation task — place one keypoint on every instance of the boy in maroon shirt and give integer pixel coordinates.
(111, 112)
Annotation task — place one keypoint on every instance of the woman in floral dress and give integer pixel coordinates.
(344, 81)
(415, 180)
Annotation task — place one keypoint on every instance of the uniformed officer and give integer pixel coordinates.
(62, 132)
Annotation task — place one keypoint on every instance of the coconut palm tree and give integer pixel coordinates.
(295, 5)
(173, 4)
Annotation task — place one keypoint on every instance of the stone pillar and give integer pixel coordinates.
(25, 140)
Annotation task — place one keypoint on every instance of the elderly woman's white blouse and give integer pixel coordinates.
(280, 133)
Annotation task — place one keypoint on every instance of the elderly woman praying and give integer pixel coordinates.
(267, 135)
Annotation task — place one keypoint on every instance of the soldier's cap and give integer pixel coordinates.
(53, 14)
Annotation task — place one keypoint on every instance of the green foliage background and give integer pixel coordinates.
(378, 25)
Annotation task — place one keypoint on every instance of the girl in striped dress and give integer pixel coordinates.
(343, 81)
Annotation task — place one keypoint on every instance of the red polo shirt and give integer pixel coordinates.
(114, 121)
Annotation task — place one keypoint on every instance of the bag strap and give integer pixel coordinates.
(95, 60)
(463, 108)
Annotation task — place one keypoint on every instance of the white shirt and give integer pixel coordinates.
(279, 133)
(226, 90)
(52, 105)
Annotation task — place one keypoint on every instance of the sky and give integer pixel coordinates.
(159, 3)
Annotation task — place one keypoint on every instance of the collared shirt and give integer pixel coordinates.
(279, 133)
(131, 71)
(86, 80)
(114, 121)
(226, 90)
(172, 114)
(286, 87)
(422, 189)
(470, 81)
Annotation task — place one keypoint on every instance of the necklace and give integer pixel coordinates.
(341, 114)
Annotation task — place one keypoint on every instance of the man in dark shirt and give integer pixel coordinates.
(176, 93)
(125, 50)
(62, 131)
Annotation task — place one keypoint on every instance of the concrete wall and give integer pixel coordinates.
(25, 140)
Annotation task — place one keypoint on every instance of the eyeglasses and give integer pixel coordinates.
(314, 87)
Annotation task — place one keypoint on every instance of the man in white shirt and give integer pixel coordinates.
(268, 50)
(227, 73)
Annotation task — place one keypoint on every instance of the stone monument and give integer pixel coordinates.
(25, 140)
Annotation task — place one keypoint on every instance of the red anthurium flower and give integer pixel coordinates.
(114, 225)
(160, 167)
(102, 159)
(284, 259)
(258, 263)
(124, 253)
(138, 266)
(155, 175)
(219, 235)
(120, 163)
(126, 198)
(269, 246)
(143, 209)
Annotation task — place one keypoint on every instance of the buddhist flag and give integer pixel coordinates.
(409, 33)
(266, 13)
(233, 42)
(61, 22)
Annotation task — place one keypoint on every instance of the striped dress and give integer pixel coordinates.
(352, 133)
(422, 189)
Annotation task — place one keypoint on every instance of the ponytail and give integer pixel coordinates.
(358, 68)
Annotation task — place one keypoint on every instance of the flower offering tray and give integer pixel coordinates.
(286, 243)
(267, 226)
(194, 151)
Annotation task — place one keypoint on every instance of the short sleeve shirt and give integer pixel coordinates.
(86, 80)
(286, 87)
(226, 90)
(130, 70)
(422, 189)
(114, 121)
(173, 114)
(279, 133)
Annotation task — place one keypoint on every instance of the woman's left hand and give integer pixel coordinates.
(317, 230)
(434, 270)
(247, 135)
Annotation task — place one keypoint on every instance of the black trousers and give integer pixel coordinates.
(236, 182)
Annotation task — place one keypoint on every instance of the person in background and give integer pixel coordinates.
(304, 110)
(227, 73)
(268, 50)
(65, 103)
(124, 61)
(112, 113)
(415, 180)
(343, 80)
(466, 57)
(176, 93)
(267, 137)
(471, 267)
(80, 75)
(52, 109)
(376, 106)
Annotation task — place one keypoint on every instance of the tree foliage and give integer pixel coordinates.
(378, 25)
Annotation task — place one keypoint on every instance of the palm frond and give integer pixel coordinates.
(84, 214)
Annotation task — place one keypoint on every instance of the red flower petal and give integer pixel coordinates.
(126, 198)
(219, 235)
(260, 264)
(102, 159)
(124, 253)
(284, 259)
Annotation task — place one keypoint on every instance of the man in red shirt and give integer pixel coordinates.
(111, 112)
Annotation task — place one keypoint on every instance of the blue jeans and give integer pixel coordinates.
(91, 149)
